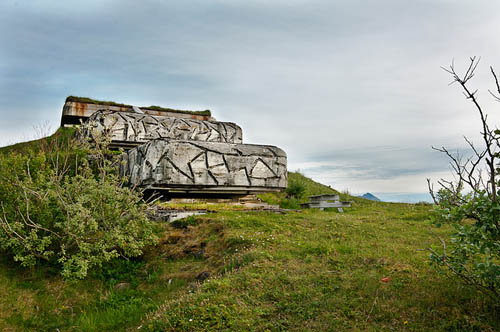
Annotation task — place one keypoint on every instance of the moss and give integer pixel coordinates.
(94, 101)
(153, 107)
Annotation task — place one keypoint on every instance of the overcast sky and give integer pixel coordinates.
(351, 90)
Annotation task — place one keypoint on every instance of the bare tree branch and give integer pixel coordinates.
(431, 191)
(487, 133)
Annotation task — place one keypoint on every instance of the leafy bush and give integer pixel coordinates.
(295, 190)
(471, 204)
(474, 250)
(59, 207)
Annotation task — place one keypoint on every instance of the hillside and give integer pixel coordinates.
(365, 269)
(60, 136)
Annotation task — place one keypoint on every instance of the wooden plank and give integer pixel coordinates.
(329, 205)
(324, 198)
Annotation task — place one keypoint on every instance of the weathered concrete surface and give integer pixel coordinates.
(131, 129)
(191, 166)
(74, 112)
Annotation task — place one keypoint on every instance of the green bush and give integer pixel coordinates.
(471, 203)
(58, 207)
(295, 190)
(474, 250)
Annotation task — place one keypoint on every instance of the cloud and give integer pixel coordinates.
(372, 168)
(331, 82)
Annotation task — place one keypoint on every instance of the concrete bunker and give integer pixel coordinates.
(181, 153)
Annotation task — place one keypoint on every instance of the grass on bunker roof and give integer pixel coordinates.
(152, 107)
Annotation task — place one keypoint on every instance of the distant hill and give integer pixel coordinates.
(371, 197)
(404, 197)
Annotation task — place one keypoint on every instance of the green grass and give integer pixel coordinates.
(311, 188)
(300, 271)
(153, 107)
(323, 271)
(363, 270)
(61, 136)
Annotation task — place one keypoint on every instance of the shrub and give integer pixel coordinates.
(471, 204)
(296, 186)
(295, 190)
(473, 253)
(59, 207)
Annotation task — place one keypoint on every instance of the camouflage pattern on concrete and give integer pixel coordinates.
(134, 128)
(206, 166)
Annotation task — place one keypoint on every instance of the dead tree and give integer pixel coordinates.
(480, 171)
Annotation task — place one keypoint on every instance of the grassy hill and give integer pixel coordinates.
(60, 136)
(362, 270)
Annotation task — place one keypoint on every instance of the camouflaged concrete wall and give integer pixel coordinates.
(165, 163)
(140, 128)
